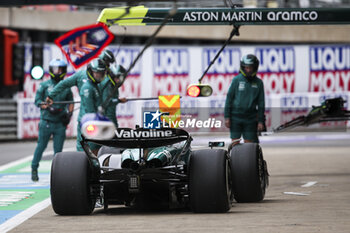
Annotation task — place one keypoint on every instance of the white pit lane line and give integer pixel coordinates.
(26, 214)
(297, 193)
(309, 184)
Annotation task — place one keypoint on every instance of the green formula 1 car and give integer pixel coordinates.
(156, 169)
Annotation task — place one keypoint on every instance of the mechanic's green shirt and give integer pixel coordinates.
(245, 99)
(77, 79)
(90, 98)
(107, 87)
(42, 93)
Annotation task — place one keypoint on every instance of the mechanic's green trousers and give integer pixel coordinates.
(46, 129)
(248, 128)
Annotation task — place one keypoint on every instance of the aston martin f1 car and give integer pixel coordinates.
(155, 169)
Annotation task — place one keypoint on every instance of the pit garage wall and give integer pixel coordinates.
(294, 77)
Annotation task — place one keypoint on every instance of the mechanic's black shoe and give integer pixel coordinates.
(35, 176)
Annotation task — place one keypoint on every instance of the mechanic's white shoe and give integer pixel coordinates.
(35, 176)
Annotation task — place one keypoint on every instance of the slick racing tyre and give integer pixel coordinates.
(70, 189)
(210, 181)
(249, 172)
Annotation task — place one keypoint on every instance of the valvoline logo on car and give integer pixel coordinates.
(152, 133)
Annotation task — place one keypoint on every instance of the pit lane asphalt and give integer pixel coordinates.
(287, 207)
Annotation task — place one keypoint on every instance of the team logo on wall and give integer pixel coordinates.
(171, 71)
(329, 69)
(277, 69)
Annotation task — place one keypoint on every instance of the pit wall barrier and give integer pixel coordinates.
(293, 76)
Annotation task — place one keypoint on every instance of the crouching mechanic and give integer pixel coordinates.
(245, 102)
(109, 86)
(55, 118)
(91, 97)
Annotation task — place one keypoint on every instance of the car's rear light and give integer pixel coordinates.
(96, 126)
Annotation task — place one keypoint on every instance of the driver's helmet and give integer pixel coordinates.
(252, 61)
(107, 56)
(57, 69)
(96, 70)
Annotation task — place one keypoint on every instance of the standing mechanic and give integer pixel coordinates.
(245, 102)
(55, 118)
(91, 97)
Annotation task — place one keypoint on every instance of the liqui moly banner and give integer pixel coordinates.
(171, 68)
(168, 70)
(221, 73)
(125, 57)
(329, 68)
(291, 71)
(277, 69)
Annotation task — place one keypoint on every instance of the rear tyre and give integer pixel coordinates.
(210, 181)
(249, 172)
(70, 188)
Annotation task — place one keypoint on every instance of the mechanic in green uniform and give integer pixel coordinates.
(55, 118)
(114, 80)
(91, 97)
(107, 88)
(77, 79)
(245, 102)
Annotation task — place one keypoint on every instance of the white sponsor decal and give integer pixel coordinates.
(292, 16)
(242, 16)
(194, 123)
(143, 134)
(222, 16)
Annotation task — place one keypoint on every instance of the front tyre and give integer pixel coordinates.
(70, 188)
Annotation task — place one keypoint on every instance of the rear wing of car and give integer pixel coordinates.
(144, 138)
